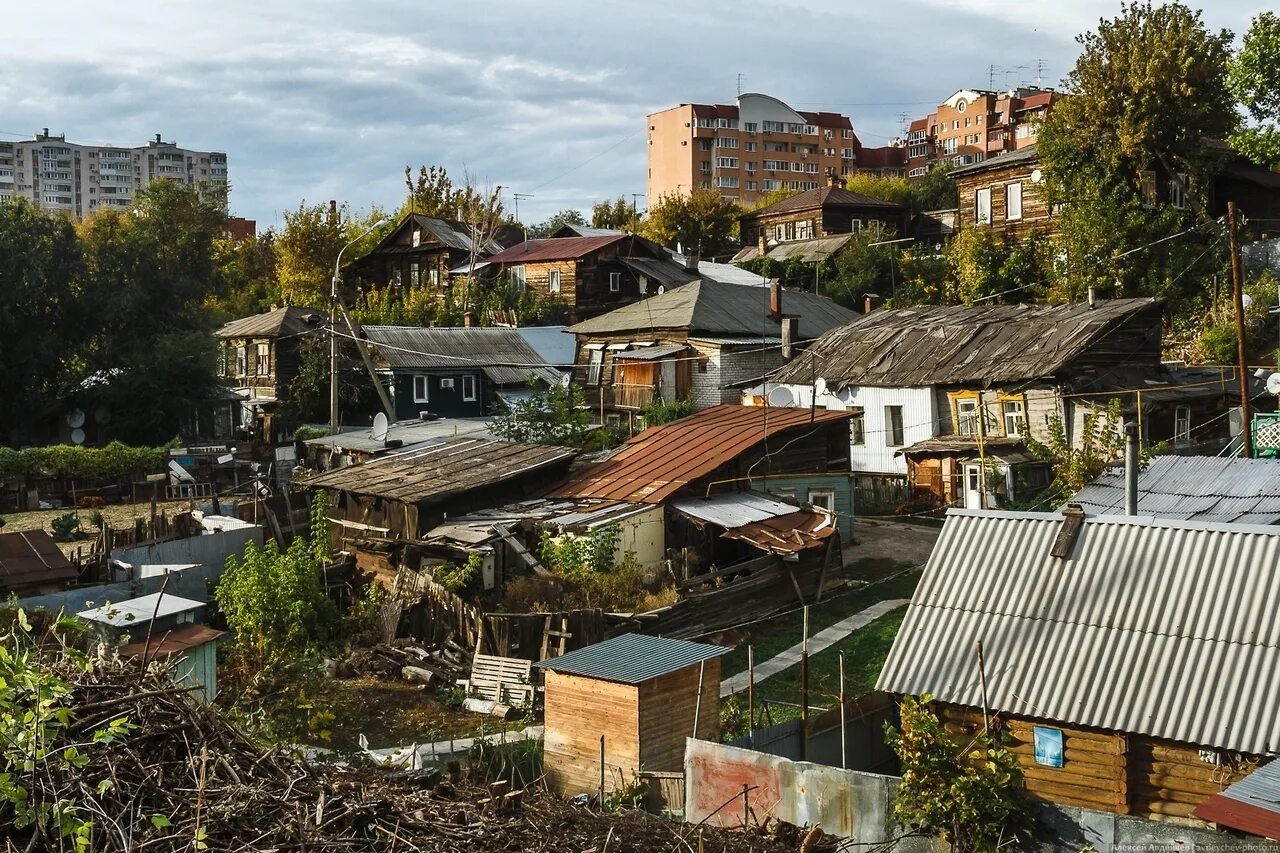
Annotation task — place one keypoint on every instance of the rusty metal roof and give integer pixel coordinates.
(31, 558)
(440, 470)
(662, 460)
(165, 643)
(555, 249)
(787, 534)
(633, 658)
(952, 344)
(1148, 626)
(1251, 805)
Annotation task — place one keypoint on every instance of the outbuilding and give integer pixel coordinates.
(627, 705)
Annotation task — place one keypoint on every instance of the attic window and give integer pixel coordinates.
(417, 237)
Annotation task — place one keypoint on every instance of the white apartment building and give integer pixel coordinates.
(77, 179)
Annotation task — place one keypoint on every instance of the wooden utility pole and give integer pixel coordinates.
(1237, 289)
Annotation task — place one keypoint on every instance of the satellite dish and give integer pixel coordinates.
(77, 435)
(380, 427)
(75, 419)
(819, 387)
(1273, 384)
(662, 288)
(1036, 176)
(780, 397)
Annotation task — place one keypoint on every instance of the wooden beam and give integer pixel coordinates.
(522, 552)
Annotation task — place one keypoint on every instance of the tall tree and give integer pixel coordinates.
(308, 247)
(700, 222)
(245, 275)
(618, 215)
(1254, 79)
(568, 216)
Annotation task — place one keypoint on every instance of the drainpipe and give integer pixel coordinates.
(1131, 468)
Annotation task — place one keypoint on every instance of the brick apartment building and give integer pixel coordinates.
(756, 146)
(975, 125)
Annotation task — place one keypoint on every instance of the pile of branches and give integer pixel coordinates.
(110, 755)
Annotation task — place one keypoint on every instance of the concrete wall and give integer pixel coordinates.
(856, 806)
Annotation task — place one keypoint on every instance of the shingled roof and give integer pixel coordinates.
(275, 323)
(943, 345)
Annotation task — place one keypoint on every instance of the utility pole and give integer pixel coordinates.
(1237, 288)
(333, 326)
(634, 217)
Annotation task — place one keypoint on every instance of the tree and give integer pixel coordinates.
(1254, 78)
(893, 190)
(701, 222)
(306, 398)
(937, 191)
(966, 790)
(861, 268)
(245, 276)
(618, 215)
(568, 216)
(1101, 443)
(983, 264)
(555, 415)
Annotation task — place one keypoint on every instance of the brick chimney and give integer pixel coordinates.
(761, 246)
(775, 300)
(468, 319)
(869, 302)
(691, 261)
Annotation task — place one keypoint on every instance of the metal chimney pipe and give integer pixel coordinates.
(1131, 468)
(1093, 297)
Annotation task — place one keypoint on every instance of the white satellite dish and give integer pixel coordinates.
(819, 388)
(75, 418)
(1273, 384)
(183, 475)
(781, 397)
(380, 427)
(1036, 176)
(77, 436)
(662, 288)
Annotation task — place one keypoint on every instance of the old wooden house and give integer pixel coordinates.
(587, 275)
(694, 343)
(402, 495)
(944, 398)
(1131, 659)
(455, 372)
(620, 710)
(826, 211)
(259, 356)
(419, 252)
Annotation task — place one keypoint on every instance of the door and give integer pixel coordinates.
(972, 486)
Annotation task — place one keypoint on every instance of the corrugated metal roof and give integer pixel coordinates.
(720, 309)
(662, 270)
(787, 534)
(1204, 488)
(440, 470)
(31, 558)
(275, 323)
(1155, 627)
(662, 460)
(555, 249)
(938, 345)
(408, 433)
(1251, 805)
(652, 353)
(633, 658)
(501, 352)
(140, 610)
(734, 509)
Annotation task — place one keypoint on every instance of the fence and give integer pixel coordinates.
(880, 496)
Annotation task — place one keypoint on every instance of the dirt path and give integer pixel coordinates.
(896, 540)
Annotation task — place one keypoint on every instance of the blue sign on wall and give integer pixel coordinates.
(1049, 751)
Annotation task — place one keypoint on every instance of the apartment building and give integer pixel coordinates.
(744, 150)
(76, 179)
(974, 125)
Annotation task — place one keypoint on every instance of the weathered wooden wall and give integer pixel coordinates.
(667, 711)
(579, 711)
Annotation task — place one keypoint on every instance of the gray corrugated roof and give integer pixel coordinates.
(1023, 155)
(662, 270)
(1154, 627)
(275, 323)
(734, 509)
(719, 309)
(633, 658)
(502, 353)
(1204, 488)
(652, 353)
(939, 345)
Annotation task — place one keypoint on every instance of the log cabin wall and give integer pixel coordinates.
(1114, 771)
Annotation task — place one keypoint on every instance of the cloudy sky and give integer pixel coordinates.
(332, 98)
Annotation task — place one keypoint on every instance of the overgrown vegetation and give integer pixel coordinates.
(555, 415)
(113, 461)
(965, 790)
(455, 578)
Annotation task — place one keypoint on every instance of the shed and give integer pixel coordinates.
(159, 611)
(640, 697)
(189, 651)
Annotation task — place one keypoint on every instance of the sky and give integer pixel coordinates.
(333, 98)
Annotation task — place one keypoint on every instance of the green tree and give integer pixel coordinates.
(968, 791)
(309, 243)
(701, 222)
(937, 191)
(306, 398)
(619, 215)
(553, 415)
(1100, 443)
(982, 264)
(894, 190)
(568, 216)
(861, 267)
(1254, 80)
(245, 276)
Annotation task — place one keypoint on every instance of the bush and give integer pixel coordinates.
(112, 462)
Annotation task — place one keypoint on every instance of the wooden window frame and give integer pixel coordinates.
(472, 395)
(425, 396)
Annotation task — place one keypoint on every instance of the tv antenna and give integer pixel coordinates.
(991, 76)
(1041, 67)
(902, 120)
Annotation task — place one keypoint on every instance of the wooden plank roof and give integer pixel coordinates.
(31, 558)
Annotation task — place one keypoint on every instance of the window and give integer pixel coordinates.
(857, 430)
(1182, 425)
(420, 389)
(982, 207)
(726, 142)
(950, 146)
(242, 361)
(962, 106)
(750, 127)
(264, 360)
(1014, 417)
(750, 146)
(469, 388)
(1148, 189)
(434, 276)
(823, 499)
(615, 282)
(553, 281)
(751, 185)
(1177, 197)
(593, 367)
(727, 162)
(1013, 201)
(613, 421)
(704, 144)
(893, 436)
(702, 365)
(966, 416)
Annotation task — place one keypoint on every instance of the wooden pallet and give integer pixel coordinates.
(505, 681)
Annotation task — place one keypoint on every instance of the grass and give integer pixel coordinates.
(775, 635)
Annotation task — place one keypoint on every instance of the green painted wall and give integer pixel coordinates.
(800, 487)
(446, 402)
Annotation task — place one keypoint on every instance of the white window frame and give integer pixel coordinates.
(966, 416)
(518, 276)
(1182, 425)
(829, 495)
(421, 388)
(1177, 197)
(858, 429)
(469, 388)
(595, 366)
(262, 367)
(553, 281)
(982, 206)
(1018, 414)
(1012, 200)
(242, 360)
(615, 282)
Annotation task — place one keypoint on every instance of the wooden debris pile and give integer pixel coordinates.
(174, 775)
(436, 664)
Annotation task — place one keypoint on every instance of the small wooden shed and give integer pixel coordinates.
(190, 651)
(641, 695)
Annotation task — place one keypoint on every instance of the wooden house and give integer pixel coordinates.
(419, 252)
(455, 372)
(694, 343)
(259, 356)
(826, 211)
(944, 398)
(624, 707)
(1130, 659)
